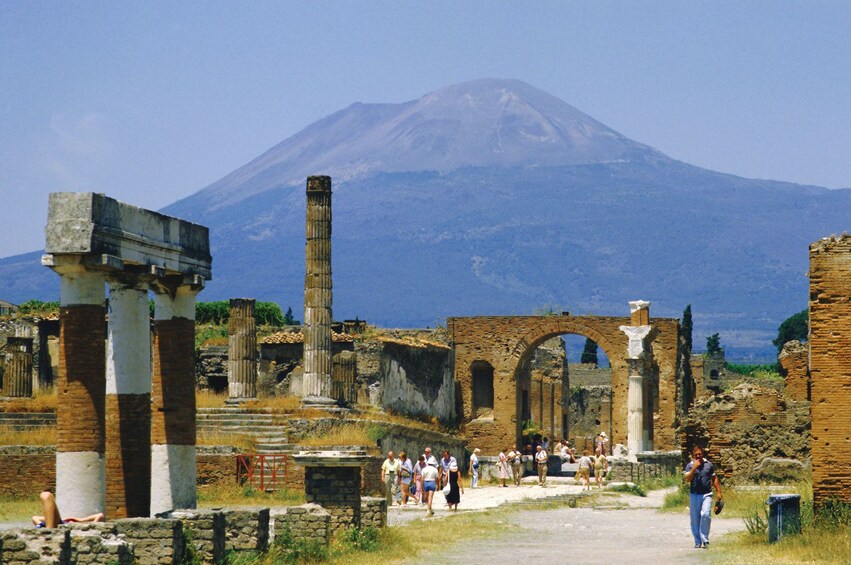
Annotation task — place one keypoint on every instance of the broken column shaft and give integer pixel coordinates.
(242, 349)
(17, 378)
(317, 290)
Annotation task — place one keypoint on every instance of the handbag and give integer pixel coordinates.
(446, 490)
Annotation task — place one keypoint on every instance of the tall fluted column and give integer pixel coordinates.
(173, 456)
(635, 408)
(317, 291)
(242, 350)
(18, 377)
(80, 463)
(128, 401)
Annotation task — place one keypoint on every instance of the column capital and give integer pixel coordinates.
(636, 334)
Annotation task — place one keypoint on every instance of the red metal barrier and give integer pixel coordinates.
(262, 472)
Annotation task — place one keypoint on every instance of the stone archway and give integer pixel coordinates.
(506, 342)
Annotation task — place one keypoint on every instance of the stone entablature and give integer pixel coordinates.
(506, 343)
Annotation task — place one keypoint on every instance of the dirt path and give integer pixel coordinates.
(619, 530)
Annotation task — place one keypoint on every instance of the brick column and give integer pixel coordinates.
(317, 291)
(128, 401)
(18, 376)
(80, 463)
(173, 457)
(830, 368)
(242, 349)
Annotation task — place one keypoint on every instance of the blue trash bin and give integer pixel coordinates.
(784, 515)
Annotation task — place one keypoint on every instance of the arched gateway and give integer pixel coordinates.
(491, 351)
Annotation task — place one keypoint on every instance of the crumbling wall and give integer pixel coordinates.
(742, 428)
(417, 380)
(589, 413)
(794, 359)
(830, 367)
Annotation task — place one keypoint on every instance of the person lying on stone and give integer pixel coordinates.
(51, 517)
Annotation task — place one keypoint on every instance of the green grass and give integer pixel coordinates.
(16, 508)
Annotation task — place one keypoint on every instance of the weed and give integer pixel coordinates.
(28, 436)
(43, 400)
(756, 519)
(631, 488)
(678, 499)
(361, 539)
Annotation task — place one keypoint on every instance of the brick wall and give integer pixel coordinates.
(128, 455)
(507, 343)
(27, 469)
(830, 367)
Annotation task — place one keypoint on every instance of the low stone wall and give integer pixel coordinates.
(308, 522)
(179, 536)
(155, 540)
(373, 512)
(80, 543)
(650, 465)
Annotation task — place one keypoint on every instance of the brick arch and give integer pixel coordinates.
(506, 342)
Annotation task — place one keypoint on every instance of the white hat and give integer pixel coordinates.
(453, 467)
(477, 450)
(603, 434)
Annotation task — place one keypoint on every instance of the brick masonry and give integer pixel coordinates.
(155, 540)
(128, 455)
(82, 379)
(830, 367)
(173, 382)
(508, 342)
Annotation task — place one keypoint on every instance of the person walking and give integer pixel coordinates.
(502, 464)
(701, 477)
(430, 474)
(541, 458)
(515, 458)
(584, 471)
(456, 489)
(389, 472)
(406, 475)
(445, 463)
(601, 467)
(474, 468)
(418, 480)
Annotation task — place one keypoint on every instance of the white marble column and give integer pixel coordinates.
(635, 397)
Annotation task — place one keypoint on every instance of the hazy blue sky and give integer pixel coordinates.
(152, 101)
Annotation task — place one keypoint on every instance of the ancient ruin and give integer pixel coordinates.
(316, 386)
(242, 350)
(492, 354)
(126, 433)
(830, 370)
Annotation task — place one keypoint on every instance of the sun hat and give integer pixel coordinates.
(477, 450)
(453, 467)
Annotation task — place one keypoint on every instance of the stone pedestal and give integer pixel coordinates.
(332, 479)
(242, 350)
(17, 377)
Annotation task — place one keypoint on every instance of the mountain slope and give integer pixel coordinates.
(492, 197)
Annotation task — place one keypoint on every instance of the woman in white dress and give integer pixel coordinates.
(504, 470)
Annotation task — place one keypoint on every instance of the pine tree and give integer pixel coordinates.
(589, 352)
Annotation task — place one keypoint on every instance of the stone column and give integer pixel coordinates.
(242, 350)
(636, 353)
(18, 376)
(80, 462)
(128, 401)
(173, 455)
(316, 385)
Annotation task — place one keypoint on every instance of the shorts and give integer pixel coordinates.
(430, 486)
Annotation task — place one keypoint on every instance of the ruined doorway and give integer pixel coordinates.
(482, 372)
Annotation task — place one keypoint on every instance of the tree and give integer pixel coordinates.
(796, 326)
(713, 344)
(268, 313)
(589, 352)
(289, 319)
(687, 327)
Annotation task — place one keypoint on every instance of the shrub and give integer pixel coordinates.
(361, 539)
